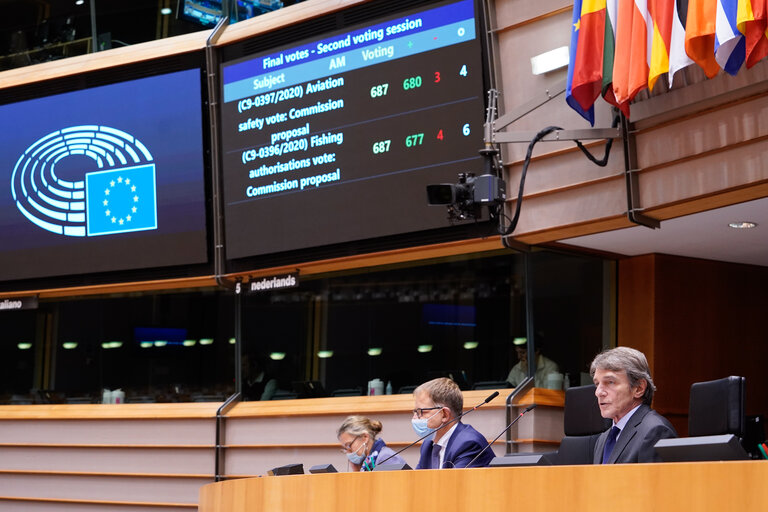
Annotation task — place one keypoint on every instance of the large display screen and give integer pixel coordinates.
(335, 139)
(103, 179)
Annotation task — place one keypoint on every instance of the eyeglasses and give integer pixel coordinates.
(347, 448)
(420, 411)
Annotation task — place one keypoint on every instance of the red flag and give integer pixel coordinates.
(751, 20)
(630, 67)
(588, 66)
(700, 35)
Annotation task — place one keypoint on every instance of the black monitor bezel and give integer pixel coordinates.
(108, 76)
(317, 27)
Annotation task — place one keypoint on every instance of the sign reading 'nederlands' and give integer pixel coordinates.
(266, 284)
(18, 303)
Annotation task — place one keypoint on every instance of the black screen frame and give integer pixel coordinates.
(105, 77)
(316, 28)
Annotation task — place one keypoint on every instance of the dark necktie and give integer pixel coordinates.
(610, 443)
(435, 463)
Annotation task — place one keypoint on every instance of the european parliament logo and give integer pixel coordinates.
(119, 197)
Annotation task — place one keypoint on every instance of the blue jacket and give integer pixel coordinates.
(463, 446)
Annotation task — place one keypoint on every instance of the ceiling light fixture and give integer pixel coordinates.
(277, 356)
(165, 11)
(743, 224)
(325, 354)
(423, 349)
(79, 2)
(374, 351)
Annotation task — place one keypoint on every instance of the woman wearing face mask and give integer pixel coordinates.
(357, 436)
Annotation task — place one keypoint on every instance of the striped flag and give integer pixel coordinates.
(661, 12)
(700, 35)
(729, 42)
(609, 50)
(630, 67)
(586, 113)
(751, 21)
(678, 59)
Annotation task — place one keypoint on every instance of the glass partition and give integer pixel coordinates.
(386, 328)
(19, 345)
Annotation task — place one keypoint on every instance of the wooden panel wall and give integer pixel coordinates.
(697, 320)
(262, 435)
(155, 457)
(128, 457)
(695, 145)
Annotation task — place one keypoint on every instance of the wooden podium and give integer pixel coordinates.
(716, 486)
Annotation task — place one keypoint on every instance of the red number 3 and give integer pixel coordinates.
(437, 76)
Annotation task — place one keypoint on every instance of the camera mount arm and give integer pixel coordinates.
(493, 135)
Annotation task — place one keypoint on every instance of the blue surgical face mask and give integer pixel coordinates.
(420, 425)
(356, 458)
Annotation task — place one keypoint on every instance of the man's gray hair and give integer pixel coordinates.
(630, 361)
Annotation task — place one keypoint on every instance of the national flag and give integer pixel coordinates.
(586, 113)
(678, 59)
(588, 63)
(630, 66)
(661, 12)
(729, 42)
(121, 200)
(609, 50)
(751, 20)
(700, 35)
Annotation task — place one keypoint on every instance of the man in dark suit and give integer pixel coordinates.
(624, 393)
(437, 404)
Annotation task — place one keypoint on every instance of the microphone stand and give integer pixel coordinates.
(454, 420)
(530, 407)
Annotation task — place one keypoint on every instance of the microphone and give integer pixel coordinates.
(530, 407)
(454, 420)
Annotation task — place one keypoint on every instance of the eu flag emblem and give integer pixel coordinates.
(121, 200)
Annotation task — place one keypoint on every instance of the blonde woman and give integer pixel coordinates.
(357, 435)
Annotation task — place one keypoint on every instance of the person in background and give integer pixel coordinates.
(357, 435)
(544, 365)
(624, 393)
(437, 404)
(258, 382)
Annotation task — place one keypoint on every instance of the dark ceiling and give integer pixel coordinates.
(36, 23)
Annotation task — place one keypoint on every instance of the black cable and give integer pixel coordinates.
(604, 161)
(505, 232)
(513, 223)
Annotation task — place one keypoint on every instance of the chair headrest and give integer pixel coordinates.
(717, 407)
(582, 414)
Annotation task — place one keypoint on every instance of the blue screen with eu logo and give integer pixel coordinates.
(103, 179)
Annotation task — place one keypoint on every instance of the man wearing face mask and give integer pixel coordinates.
(357, 436)
(437, 404)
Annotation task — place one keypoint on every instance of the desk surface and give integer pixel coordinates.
(720, 486)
